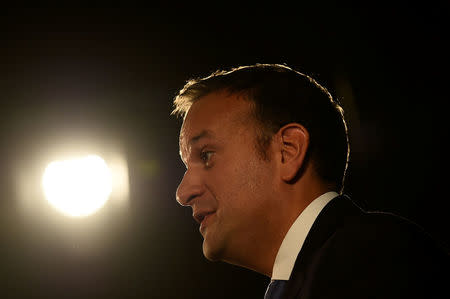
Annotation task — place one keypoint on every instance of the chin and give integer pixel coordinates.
(211, 253)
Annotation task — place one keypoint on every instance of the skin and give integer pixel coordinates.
(241, 200)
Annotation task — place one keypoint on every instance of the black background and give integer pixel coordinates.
(108, 75)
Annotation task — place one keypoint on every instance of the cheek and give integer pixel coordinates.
(248, 186)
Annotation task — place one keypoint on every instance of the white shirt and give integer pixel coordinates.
(295, 237)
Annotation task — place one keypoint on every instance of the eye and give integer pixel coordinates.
(206, 157)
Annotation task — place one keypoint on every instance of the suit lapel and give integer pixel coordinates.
(330, 218)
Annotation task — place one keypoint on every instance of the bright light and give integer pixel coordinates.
(78, 187)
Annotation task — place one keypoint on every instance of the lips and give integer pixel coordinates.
(201, 216)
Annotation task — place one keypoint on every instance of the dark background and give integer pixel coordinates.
(108, 75)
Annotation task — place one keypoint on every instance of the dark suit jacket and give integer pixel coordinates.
(350, 253)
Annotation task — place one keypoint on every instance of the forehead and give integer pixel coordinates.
(216, 114)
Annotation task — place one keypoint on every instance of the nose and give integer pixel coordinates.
(190, 187)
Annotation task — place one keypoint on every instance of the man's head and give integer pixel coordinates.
(251, 139)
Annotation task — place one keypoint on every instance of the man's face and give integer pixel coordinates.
(227, 184)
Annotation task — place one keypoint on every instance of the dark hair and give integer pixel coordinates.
(282, 95)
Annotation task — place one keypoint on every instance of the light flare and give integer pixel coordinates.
(78, 187)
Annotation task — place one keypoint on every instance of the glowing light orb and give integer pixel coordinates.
(77, 187)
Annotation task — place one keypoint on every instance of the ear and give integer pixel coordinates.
(294, 142)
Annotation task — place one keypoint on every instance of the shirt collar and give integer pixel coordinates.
(295, 237)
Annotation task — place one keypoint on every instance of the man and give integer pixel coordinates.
(266, 152)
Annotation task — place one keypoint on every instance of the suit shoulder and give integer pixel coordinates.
(381, 252)
(388, 228)
(386, 240)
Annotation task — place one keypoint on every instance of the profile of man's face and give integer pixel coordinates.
(227, 184)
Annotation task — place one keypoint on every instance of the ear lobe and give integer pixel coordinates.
(294, 145)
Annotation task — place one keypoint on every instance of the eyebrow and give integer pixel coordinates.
(197, 138)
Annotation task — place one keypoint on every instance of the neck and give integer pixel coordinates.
(295, 200)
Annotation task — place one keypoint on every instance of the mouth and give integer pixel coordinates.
(201, 217)
(204, 219)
